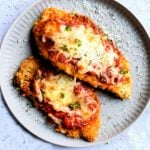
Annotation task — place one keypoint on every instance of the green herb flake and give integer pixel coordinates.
(123, 72)
(79, 42)
(74, 105)
(67, 28)
(64, 47)
(43, 93)
(62, 95)
(85, 55)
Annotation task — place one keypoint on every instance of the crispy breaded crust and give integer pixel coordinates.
(89, 132)
(50, 15)
(23, 78)
(25, 74)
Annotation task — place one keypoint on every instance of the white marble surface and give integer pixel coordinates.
(14, 137)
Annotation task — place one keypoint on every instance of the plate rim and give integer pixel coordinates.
(4, 95)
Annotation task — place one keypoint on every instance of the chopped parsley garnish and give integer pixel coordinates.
(43, 93)
(62, 95)
(79, 42)
(67, 28)
(74, 105)
(64, 47)
(123, 72)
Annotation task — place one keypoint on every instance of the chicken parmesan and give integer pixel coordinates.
(74, 44)
(69, 104)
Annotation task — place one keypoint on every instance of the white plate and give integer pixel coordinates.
(121, 26)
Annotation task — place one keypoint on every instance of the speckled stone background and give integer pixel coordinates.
(14, 137)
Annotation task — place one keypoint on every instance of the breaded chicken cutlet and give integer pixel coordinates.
(71, 105)
(74, 44)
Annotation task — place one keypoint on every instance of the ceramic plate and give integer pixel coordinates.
(121, 26)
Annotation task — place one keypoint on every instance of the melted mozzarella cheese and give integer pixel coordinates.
(58, 91)
(81, 42)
